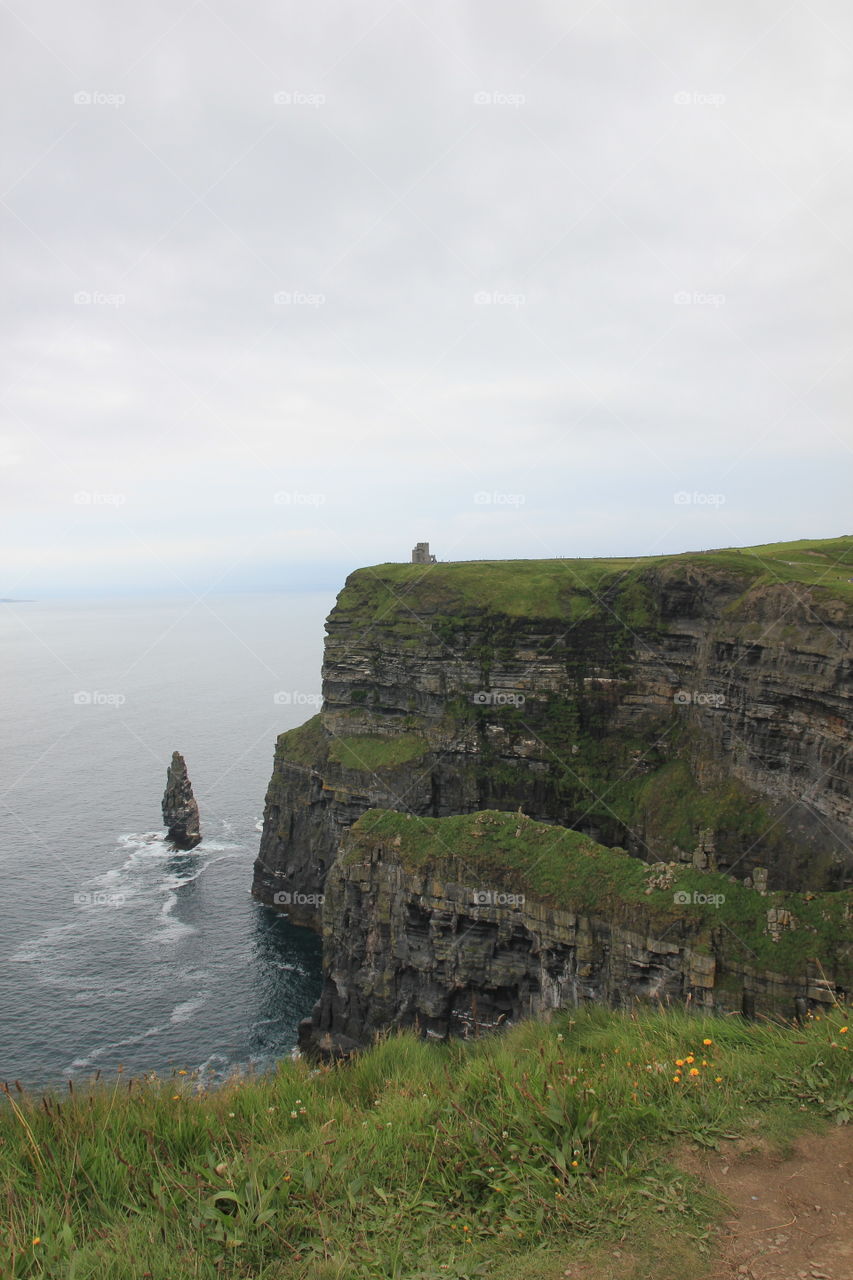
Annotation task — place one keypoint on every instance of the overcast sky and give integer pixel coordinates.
(289, 287)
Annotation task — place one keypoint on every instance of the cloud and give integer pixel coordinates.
(394, 255)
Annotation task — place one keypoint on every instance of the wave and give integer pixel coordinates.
(111, 1046)
(183, 1012)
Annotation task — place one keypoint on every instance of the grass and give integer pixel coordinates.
(391, 594)
(370, 751)
(508, 1157)
(305, 745)
(568, 870)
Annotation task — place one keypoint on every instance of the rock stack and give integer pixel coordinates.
(180, 810)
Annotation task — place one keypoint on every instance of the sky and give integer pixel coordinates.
(289, 287)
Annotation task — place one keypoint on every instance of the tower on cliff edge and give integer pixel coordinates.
(421, 554)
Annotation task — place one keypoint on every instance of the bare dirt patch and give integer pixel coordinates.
(792, 1218)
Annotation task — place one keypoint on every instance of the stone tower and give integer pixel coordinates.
(421, 554)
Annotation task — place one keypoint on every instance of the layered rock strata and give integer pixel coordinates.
(694, 709)
(180, 810)
(417, 943)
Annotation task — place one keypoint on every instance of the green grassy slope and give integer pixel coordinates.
(512, 1157)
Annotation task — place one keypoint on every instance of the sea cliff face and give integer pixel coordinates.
(693, 709)
(458, 926)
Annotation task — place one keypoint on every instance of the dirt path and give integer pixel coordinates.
(792, 1219)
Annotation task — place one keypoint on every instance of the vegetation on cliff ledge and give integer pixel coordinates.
(567, 870)
(517, 1157)
(568, 588)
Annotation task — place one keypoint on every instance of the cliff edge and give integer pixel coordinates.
(694, 709)
(456, 926)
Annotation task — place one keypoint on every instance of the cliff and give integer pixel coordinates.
(693, 709)
(457, 925)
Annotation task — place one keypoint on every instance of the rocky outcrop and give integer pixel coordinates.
(420, 942)
(694, 709)
(180, 810)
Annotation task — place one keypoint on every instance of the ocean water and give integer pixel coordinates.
(115, 950)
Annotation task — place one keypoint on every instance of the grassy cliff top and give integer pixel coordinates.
(553, 588)
(509, 853)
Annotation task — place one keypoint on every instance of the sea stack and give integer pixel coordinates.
(180, 811)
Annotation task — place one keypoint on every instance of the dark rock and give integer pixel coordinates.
(406, 948)
(723, 693)
(180, 811)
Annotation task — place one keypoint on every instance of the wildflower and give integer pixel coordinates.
(559, 1037)
(690, 1058)
(36, 1239)
(231, 1115)
(704, 1063)
(182, 1072)
(718, 1079)
(677, 1079)
(287, 1177)
(574, 1164)
(679, 1062)
(176, 1097)
(299, 1102)
(694, 1071)
(466, 1228)
(293, 1115)
(707, 1041)
(843, 1031)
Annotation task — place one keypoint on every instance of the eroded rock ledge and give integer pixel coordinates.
(691, 708)
(456, 926)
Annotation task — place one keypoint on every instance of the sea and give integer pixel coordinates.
(118, 955)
